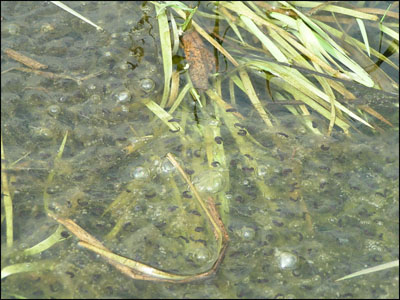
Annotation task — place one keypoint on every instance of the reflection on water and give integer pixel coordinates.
(301, 209)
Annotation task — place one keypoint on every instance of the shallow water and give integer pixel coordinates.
(301, 209)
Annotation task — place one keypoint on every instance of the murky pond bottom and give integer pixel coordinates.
(301, 210)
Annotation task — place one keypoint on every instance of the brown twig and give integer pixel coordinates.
(87, 239)
(24, 59)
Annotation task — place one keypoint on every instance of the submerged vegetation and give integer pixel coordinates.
(254, 96)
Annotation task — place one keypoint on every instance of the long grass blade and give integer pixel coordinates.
(166, 51)
(47, 243)
(8, 206)
(251, 93)
(364, 35)
(175, 35)
(381, 267)
(264, 39)
(180, 97)
(164, 116)
(390, 32)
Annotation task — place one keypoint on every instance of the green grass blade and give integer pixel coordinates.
(287, 20)
(364, 35)
(47, 243)
(27, 267)
(166, 51)
(314, 26)
(62, 146)
(311, 42)
(189, 18)
(264, 39)
(359, 75)
(52, 173)
(231, 21)
(180, 97)
(163, 115)
(175, 35)
(251, 93)
(393, 34)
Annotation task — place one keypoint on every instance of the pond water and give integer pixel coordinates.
(301, 209)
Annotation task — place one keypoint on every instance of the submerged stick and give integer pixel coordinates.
(24, 59)
(87, 239)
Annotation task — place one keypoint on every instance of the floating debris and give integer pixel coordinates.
(201, 61)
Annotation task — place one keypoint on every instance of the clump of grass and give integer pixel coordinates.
(301, 55)
(297, 53)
